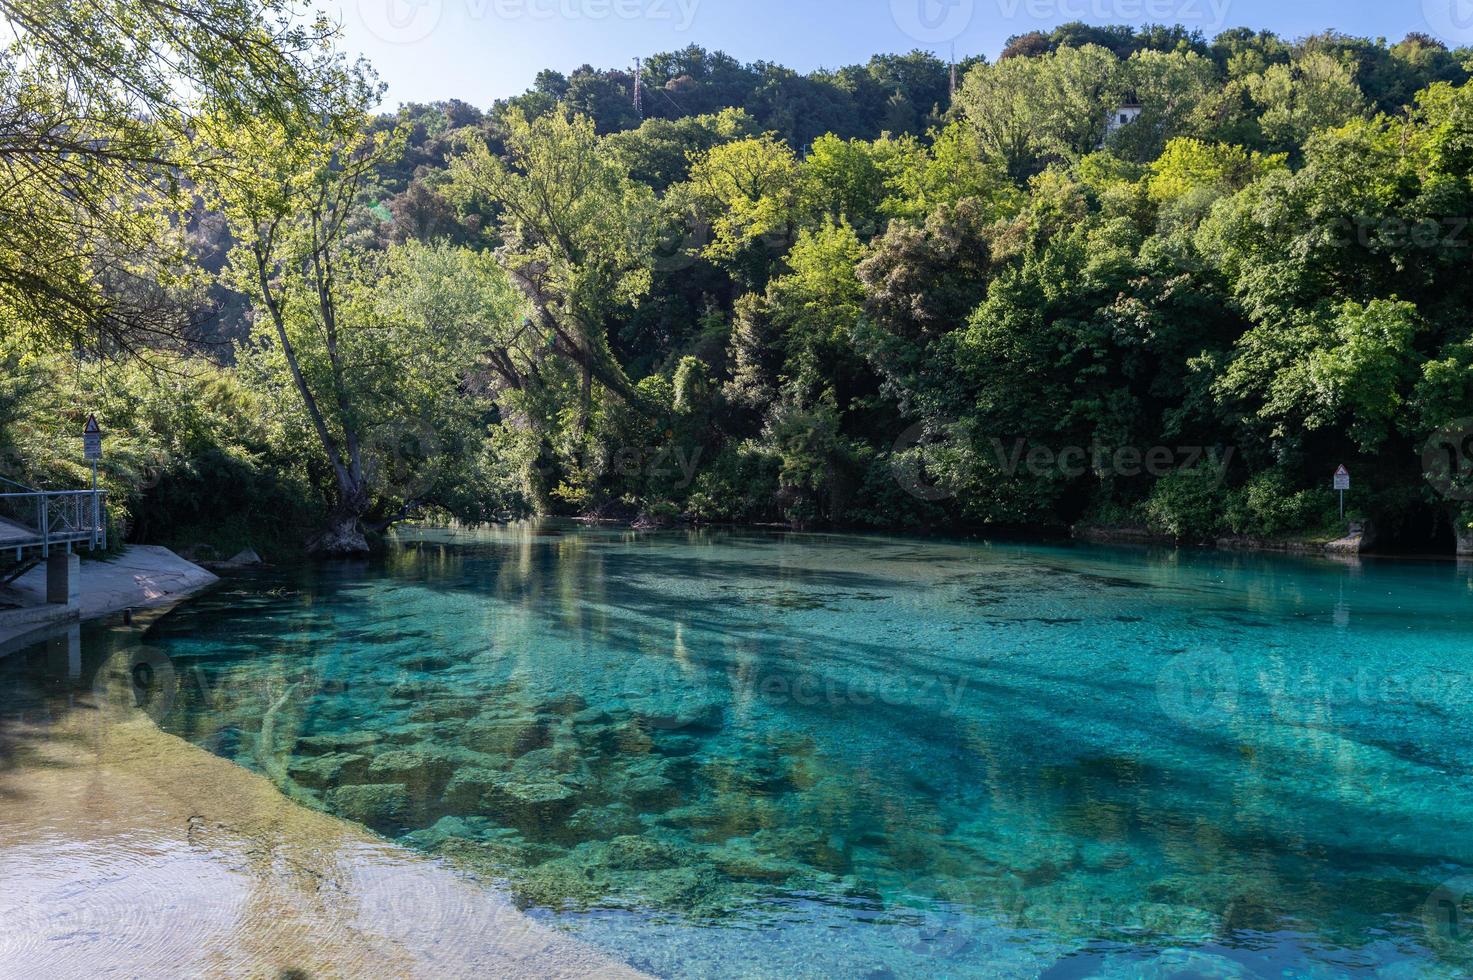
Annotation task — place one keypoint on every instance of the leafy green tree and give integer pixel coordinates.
(658, 153)
(919, 177)
(843, 180)
(1188, 165)
(749, 190)
(1315, 91)
(1179, 95)
(1026, 111)
(99, 101)
(576, 235)
(289, 212)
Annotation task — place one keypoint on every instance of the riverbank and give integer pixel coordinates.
(124, 848)
(143, 576)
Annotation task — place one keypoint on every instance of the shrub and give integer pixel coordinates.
(1269, 506)
(1187, 504)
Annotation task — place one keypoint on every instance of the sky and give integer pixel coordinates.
(483, 50)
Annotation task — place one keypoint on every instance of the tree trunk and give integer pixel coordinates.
(342, 538)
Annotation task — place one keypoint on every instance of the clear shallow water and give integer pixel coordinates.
(745, 754)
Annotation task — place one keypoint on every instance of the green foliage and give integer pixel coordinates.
(190, 455)
(1187, 504)
(1270, 505)
(1028, 111)
(100, 103)
(746, 305)
(1191, 164)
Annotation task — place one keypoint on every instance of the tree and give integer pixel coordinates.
(1026, 111)
(659, 153)
(1178, 95)
(842, 179)
(750, 191)
(1316, 91)
(98, 102)
(289, 206)
(919, 177)
(576, 235)
(1190, 164)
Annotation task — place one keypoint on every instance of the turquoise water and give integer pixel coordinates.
(743, 754)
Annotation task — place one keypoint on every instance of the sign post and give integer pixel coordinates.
(1342, 484)
(92, 451)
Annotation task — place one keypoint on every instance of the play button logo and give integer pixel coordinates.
(1451, 20)
(933, 21)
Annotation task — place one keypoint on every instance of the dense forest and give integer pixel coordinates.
(1115, 277)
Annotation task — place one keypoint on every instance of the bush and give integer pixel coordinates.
(1187, 504)
(740, 485)
(1269, 506)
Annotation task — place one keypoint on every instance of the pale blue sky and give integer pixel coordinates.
(481, 50)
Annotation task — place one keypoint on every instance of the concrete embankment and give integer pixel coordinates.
(141, 577)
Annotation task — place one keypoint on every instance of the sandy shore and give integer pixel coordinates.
(125, 851)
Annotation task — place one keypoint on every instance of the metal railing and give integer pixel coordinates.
(43, 518)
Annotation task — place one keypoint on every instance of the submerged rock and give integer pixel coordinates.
(649, 780)
(497, 856)
(592, 717)
(514, 798)
(412, 733)
(613, 819)
(380, 805)
(337, 742)
(634, 853)
(563, 883)
(739, 859)
(427, 771)
(466, 788)
(445, 708)
(326, 771)
(506, 737)
(1178, 922)
(564, 705)
(680, 714)
(691, 889)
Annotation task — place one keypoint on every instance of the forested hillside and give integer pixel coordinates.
(1123, 277)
